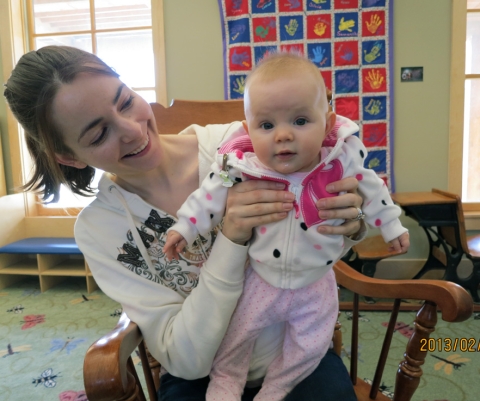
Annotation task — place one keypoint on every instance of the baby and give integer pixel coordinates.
(290, 136)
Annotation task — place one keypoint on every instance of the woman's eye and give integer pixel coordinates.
(300, 121)
(127, 103)
(266, 126)
(100, 138)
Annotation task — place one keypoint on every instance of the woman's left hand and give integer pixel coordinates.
(341, 207)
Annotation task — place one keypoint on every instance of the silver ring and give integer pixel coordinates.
(360, 215)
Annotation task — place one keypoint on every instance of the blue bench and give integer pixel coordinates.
(56, 259)
(50, 245)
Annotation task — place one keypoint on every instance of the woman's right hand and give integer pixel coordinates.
(253, 203)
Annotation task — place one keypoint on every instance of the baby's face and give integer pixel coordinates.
(286, 121)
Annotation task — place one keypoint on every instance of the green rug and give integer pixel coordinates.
(44, 337)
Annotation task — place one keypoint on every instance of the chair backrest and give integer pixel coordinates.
(455, 236)
(182, 113)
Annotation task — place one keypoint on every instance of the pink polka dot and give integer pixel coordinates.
(317, 247)
(239, 154)
(359, 177)
(209, 197)
(378, 222)
(263, 230)
(193, 220)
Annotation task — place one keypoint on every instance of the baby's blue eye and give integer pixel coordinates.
(300, 121)
(267, 126)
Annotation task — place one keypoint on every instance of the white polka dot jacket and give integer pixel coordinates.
(291, 253)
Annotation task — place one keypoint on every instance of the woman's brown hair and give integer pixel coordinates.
(29, 92)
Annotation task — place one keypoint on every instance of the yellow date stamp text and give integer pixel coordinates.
(448, 344)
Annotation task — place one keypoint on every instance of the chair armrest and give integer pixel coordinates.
(105, 365)
(454, 302)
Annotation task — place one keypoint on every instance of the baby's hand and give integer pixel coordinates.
(174, 245)
(400, 244)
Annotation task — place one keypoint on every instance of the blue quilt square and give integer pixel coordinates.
(374, 108)
(373, 3)
(315, 5)
(320, 54)
(260, 51)
(346, 25)
(291, 27)
(377, 161)
(239, 31)
(263, 6)
(346, 81)
(373, 52)
(237, 86)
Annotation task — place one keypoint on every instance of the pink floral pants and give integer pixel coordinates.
(310, 313)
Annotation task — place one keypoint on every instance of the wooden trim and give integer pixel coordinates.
(471, 206)
(3, 183)
(93, 36)
(457, 95)
(158, 38)
(91, 31)
(472, 76)
(43, 211)
(30, 25)
(13, 47)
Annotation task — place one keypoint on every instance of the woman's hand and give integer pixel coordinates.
(251, 204)
(341, 207)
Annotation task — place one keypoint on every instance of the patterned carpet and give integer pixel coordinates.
(44, 337)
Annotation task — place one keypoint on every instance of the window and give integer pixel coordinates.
(126, 34)
(119, 32)
(464, 152)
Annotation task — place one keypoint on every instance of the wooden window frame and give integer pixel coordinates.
(457, 110)
(15, 42)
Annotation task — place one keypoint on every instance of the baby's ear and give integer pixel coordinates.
(331, 120)
(245, 126)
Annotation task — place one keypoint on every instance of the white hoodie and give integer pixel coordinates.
(290, 253)
(182, 314)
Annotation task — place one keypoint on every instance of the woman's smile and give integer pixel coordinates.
(142, 149)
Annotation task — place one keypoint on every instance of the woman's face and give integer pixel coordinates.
(106, 125)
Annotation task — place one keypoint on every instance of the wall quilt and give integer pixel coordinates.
(349, 40)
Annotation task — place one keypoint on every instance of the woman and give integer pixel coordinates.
(77, 115)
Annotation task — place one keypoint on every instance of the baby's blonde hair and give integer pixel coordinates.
(279, 64)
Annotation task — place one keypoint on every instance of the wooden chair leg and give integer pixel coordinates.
(385, 348)
(409, 371)
(337, 338)
(354, 346)
(138, 394)
(147, 364)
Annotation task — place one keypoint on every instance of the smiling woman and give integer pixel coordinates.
(39, 129)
